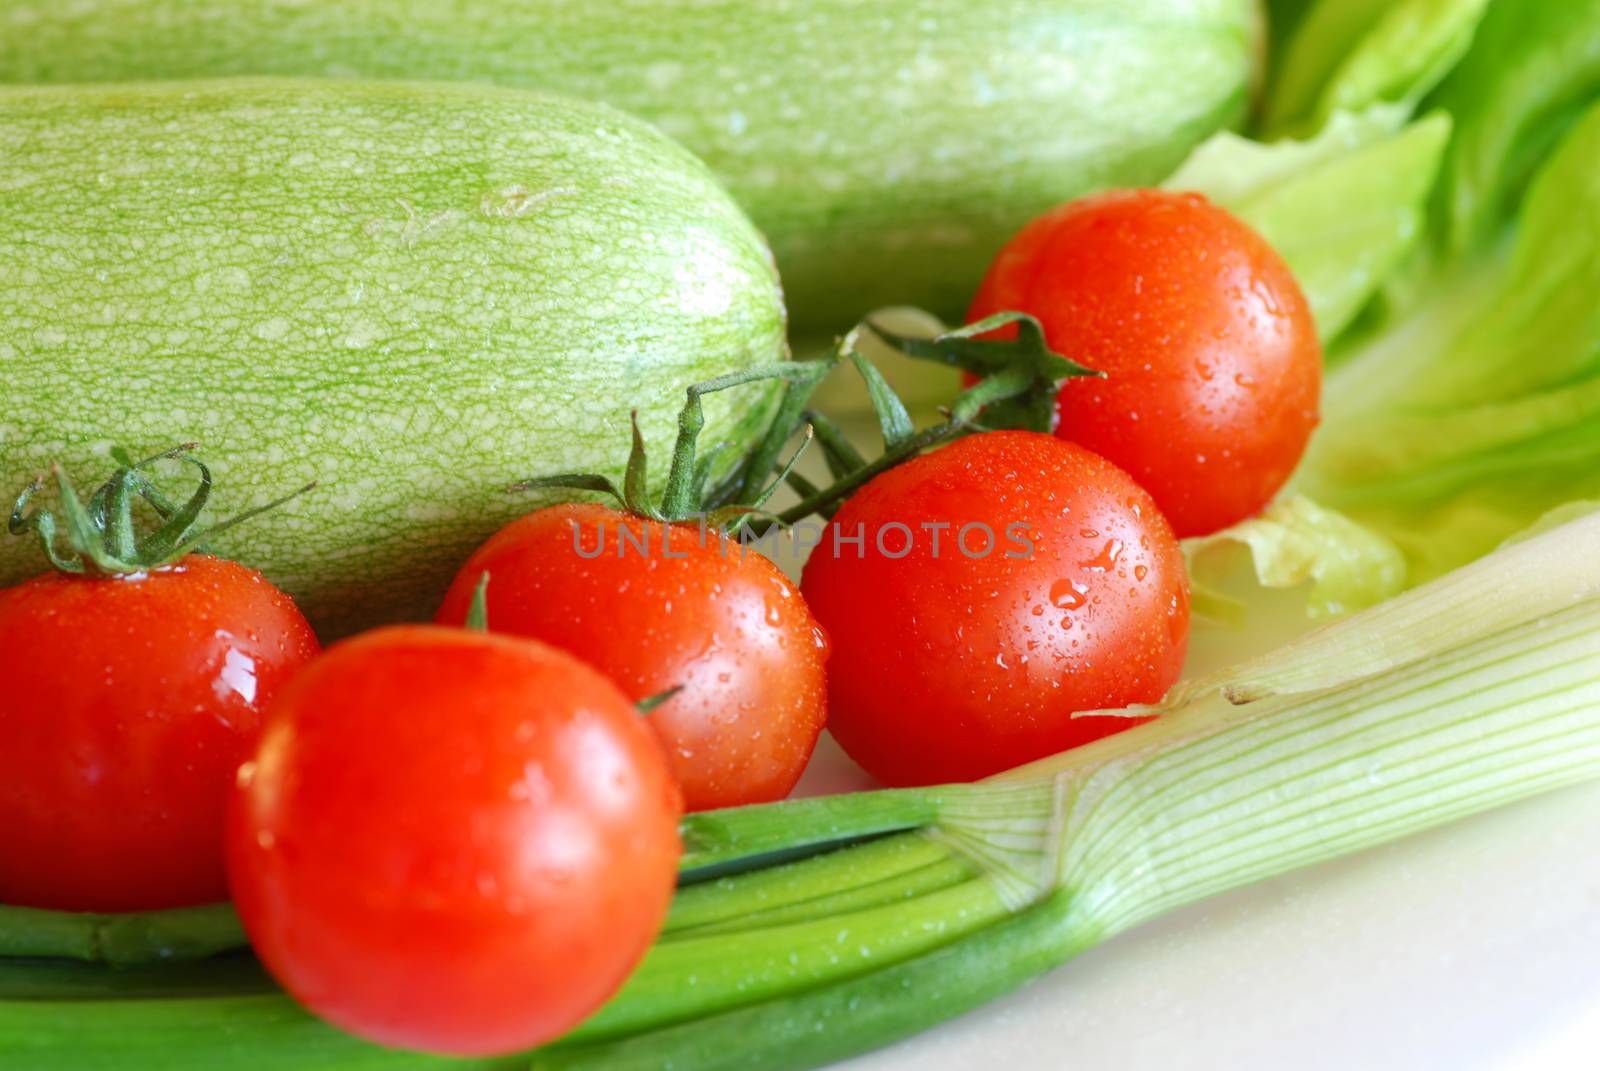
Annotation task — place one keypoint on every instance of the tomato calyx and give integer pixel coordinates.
(478, 612)
(1016, 380)
(649, 703)
(99, 538)
(688, 492)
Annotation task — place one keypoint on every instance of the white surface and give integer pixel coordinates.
(1474, 947)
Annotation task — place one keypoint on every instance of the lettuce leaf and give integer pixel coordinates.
(1347, 55)
(1296, 543)
(1533, 69)
(1472, 418)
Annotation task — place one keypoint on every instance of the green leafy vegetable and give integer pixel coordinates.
(1471, 419)
(1533, 70)
(1347, 55)
(1297, 542)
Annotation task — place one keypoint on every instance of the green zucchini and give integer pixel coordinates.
(412, 293)
(887, 148)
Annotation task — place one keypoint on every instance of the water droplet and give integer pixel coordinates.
(1108, 557)
(1068, 594)
(1141, 571)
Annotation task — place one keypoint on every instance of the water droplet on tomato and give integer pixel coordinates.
(1068, 594)
(1108, 557)
(1141, 571)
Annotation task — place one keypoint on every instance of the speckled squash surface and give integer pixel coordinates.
(412, 293)
(887, 148)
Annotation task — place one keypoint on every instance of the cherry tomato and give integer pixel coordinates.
(980, 595)
(1213, 368)
(453, 842)
(126, 705)
(656, 607)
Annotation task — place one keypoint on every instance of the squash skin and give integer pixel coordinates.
(412, 293)
(887, 148)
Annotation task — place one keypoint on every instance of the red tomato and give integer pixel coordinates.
(453, 842)
(952, 663)
(1213, 368)
(126, 706)
(720, 622)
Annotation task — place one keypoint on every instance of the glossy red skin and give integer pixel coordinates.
(726, 625)
(125, 706)
(453, 842)
(951, 668)
(1213, 368)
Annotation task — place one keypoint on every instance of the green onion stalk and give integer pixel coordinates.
(809, 931)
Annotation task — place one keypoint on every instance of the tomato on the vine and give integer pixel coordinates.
(131, 687)
(658, 607)
(451, 841)
(981, 595)
(1211, 360)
